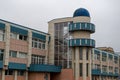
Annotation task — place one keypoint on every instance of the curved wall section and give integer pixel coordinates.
(82, 42)
(82, 26)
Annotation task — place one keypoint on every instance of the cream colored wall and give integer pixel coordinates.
(81, 19)
(81, 34)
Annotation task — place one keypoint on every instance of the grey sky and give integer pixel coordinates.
(105, 14)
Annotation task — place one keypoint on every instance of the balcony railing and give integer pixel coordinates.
(82, 42)
(82, 27)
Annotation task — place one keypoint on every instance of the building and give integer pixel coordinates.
(66, 52)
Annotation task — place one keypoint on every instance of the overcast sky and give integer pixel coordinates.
(105, 14)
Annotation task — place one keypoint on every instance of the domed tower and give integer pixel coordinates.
(81, 44)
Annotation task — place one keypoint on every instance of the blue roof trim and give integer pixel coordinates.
(38, 35)
(2, 26)
(96, 51)
(44, 68)
(19, 31)
(22, 26)
(17, 66)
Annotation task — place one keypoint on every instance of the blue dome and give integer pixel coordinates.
(81, 12)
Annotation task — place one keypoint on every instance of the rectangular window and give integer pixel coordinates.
(87, 54)
(81, 54)
(81, 69)
(22, 37)
(43, 46)
(22, 55)
(1, 35)
(37, 43)
(36, 59)
(9, 72)
(20, 73)
(1, 54)
(87, 69)
(13, 54)
(13, 35)
(104, 57)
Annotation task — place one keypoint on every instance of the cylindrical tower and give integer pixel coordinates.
(81, 44)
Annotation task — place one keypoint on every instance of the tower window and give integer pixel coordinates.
(81, 53)
(81, 69)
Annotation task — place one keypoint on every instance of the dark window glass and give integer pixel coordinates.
(81, 53)
(80, 65)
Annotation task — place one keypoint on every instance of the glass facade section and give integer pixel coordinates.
(61, 44)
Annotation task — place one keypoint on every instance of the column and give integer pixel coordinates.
(90, 68)
(3, 74)
(7, 44)
(26, 75)
(15, 77)
(77, 63)
(29, 47)
(84, 63)
(46, 48)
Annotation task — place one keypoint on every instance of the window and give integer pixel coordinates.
(1, 35)
(96, 56)
(87, 68)
(81, 53)
(81, 69)
(1, 54)
(36, 59)
(13, 54)
(9, 72)
(116, 70)
(22, 55)
(104, 68)
(20, 73)
(110, 68)
(116, 59)
(36, 43)
(22, 37)
(13, 35)
(104, 57)
(87, 54)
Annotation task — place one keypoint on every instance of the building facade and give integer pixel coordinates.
(66, 52)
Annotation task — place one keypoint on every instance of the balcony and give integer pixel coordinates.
(44, 68)
(82, 42)
(82, 27)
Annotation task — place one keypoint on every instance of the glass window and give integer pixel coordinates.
(20, 73)
(1, 35)
(87, 54)
(13, 54)
(13, 35)
(81, 69)
(37, 43)
(1, 54)
(87, 68)
(104, 57)
(36, 59)
(9, 72)
(81, 53)
(22, 37)
(22, 55)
